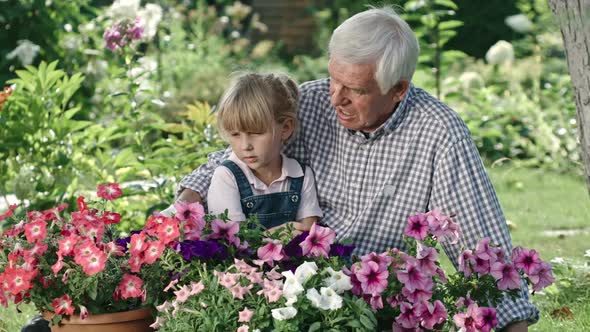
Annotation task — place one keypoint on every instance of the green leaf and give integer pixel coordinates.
(354, 323)
(71, 112)
(315, 327)
(367, 323)
(448, 25)
(446, 3)
(125, 157)
(93, 289)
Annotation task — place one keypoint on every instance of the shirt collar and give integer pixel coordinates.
(290, 168)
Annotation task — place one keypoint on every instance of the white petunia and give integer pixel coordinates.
(26, 51)
(123, 9)
(327, 299)
(291, 287)
(283, 313)
(500, 53)
(519, 23)
(151, 16)
(305, 271)
(338, 281)
(471, 80)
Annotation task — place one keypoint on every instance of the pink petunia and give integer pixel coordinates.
(417, 226)
(245, 315)
(318, 242)
(36, 230)
(130, 286)
(376, 302)
(417, 295)
(506, 276)
(83, 312)
(432, 314)
(481, 266)
(196, 287)
(153, 251)
(18, 280)
(525, 259)
(427, 257)
(408, 317)
(67, 244)
(243, 328)
(271, 252)
(238, 291)
(384, 260)
(182, 294)
(467, 321)
(465, 262)
(542, 276)
(193, 212)
(373, 279)
(63, 305)
(413, 278)
(109, 191)
(484, 251)
(94, 263)
(486, 319)
(137, 244)
(225, 230)
(168, 231)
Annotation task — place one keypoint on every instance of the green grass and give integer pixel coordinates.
(534, 201)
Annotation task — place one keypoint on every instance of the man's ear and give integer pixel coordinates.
(400, 89)
(287, 129)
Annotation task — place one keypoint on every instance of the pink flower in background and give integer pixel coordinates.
(413, 278)
(506, 276)
(468, 321)
(93, 263)
(192, 213)
(408, 318)
(243, 328)
(376, 302)
(130, 286)
(182, 294)
(481, 266)
(486, 319)
(427, 257)
(318, 242)
(271, 252)
(224, 230)
(417, 226)
(109, 191)
(111, 218)
(153, 251)
(373, 279)
(542, 276)
(464, 262)
(484, 251)
(83, 312)
(196, 288)
(245, 315)
(167, 231)
(137, 244)
(527, 260)
(418, 295)
(384, 260)
(432, 313)
(63, 305)
(36, 230)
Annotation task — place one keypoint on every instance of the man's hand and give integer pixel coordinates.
(521, 326)
(189, 196)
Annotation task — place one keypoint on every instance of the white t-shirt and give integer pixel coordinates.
(224, 193)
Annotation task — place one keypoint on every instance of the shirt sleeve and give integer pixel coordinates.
(200, 178)
(224, 194)
(462, 187)
(309, 205)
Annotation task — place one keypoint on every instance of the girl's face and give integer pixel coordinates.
(261, 151)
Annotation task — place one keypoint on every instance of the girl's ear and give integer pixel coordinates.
(287, 128)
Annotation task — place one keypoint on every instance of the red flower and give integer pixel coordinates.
(109, 191)
(130, 286)
(35, 230)
(8, 213)
(111, 217)
(63, 305)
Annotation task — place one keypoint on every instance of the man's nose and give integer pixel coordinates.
(337, 97)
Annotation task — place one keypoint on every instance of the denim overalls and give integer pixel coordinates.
(271, 209)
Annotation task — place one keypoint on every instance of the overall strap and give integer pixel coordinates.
(241, 179)
(297, 183)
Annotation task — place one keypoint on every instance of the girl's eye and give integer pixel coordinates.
(234, 134)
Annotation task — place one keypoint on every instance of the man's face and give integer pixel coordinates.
(357, 98)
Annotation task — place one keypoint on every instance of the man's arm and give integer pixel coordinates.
(462, 187)
(193, 187)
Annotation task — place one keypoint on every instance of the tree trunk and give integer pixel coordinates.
(574, 20)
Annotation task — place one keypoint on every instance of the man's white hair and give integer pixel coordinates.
(378, 36)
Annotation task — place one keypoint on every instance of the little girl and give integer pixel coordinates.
(257, 115)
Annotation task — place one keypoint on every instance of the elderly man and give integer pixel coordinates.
(383, 149)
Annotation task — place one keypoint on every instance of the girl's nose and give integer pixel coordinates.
(246, 144)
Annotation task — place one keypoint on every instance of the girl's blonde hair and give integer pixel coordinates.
(255, 100)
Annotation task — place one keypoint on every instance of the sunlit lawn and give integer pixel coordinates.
(535, 202)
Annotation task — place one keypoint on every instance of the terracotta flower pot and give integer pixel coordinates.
(128, 321)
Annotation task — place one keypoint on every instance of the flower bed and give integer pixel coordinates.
(224, 276)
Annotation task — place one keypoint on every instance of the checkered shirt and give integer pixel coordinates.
(422, 157)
